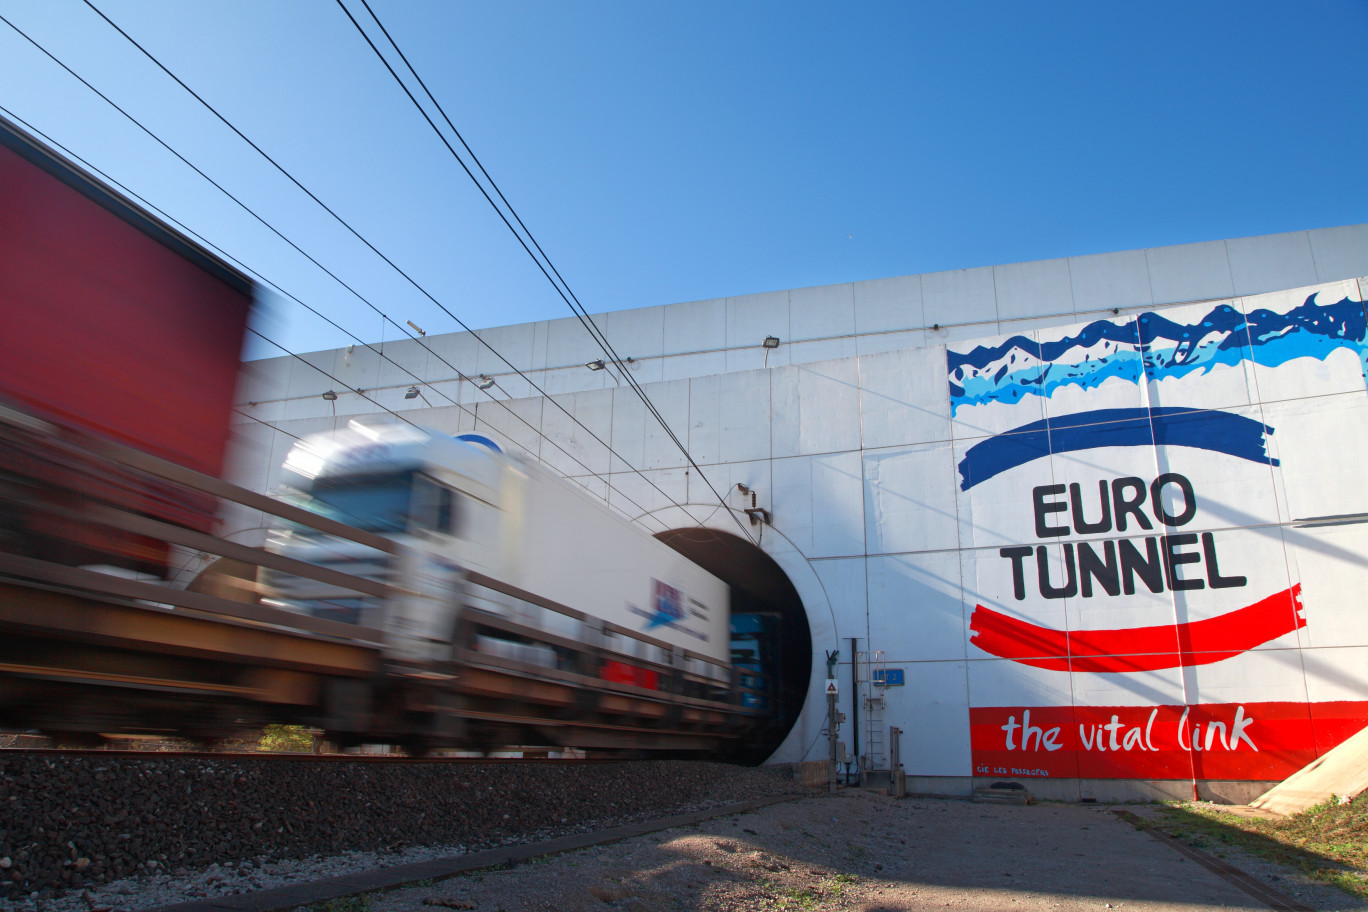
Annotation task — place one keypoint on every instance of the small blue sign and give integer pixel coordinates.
(888, 677)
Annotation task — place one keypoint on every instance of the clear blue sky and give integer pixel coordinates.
(673, 152)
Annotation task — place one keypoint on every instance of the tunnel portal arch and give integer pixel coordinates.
(759, 586)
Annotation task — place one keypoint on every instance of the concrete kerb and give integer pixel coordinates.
(281, 898)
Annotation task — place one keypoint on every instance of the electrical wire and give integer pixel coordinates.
(184, 229)
(373, 248)
(562, 288)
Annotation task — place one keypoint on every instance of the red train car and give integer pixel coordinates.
(116, 327)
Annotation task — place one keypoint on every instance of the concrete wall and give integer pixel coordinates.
(846, 433)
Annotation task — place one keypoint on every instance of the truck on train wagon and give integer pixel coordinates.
(544, 606)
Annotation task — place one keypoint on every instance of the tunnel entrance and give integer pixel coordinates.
(762, 594)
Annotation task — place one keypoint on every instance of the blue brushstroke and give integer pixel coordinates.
(1203, 429)
(1154, 347)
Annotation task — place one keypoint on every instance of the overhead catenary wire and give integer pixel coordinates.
(421, 342)
(343, 222)
(558, 283)
(185, 229)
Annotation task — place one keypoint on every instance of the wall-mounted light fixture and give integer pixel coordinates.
(595, 365)
(416, 328)
(412, 393)
(330, 396)
(484, 382)
(771, 342)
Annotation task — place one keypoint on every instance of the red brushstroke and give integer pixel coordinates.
(1138, 648)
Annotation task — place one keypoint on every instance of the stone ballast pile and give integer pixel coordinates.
(84, 819)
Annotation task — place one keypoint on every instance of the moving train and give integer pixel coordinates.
(504, 572)
(417, 589)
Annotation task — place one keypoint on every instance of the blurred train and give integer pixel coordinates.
(499, 565)
(416, 589)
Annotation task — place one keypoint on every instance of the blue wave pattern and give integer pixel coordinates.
(1152, 347)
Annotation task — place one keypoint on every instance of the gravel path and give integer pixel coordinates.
(862, 852)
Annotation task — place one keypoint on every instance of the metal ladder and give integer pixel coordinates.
(873, 673)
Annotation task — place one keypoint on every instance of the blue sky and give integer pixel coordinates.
(673, 152)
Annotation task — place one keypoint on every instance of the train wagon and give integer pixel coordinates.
(116, 327)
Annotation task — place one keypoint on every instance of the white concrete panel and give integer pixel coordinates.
(824, 350)
(517, 421)
(1339, 253)
(843, 580)
(729, 417)
(634, 333)
(648, 370)
(1000, 682)
(635, 494)
(575, 378)
(310, 375)
(1336, 674)
(452, 420)
(1256, 676)
(816, 408)
(404, 364)
(452, 352)
(576, 429)
(1189, 272)
(932, 709)
(817, 504)
(696, 326)
(514, 343)
(1036, 289)
(821, 312)
(944, 334)
(958, 297)
(889, 341)
(903, 398)
(639, 438)
(909, 499)
(916, 607)
(888, 305)
(682, 367)
(263, 380)
(358, 368)
(1023, 325)
(1271, 262)
(1107, 280)
(1320, 445)
(1134, 688)
(757, 357)
(750, 318)
(1331, 563)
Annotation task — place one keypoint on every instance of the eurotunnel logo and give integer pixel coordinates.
(1125, 523)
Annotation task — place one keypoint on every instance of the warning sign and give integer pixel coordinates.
(831, 687)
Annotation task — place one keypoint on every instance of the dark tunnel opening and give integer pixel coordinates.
(760, 589)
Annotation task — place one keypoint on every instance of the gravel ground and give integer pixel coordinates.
(862, 852)
(853, 850)
(137, 832)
